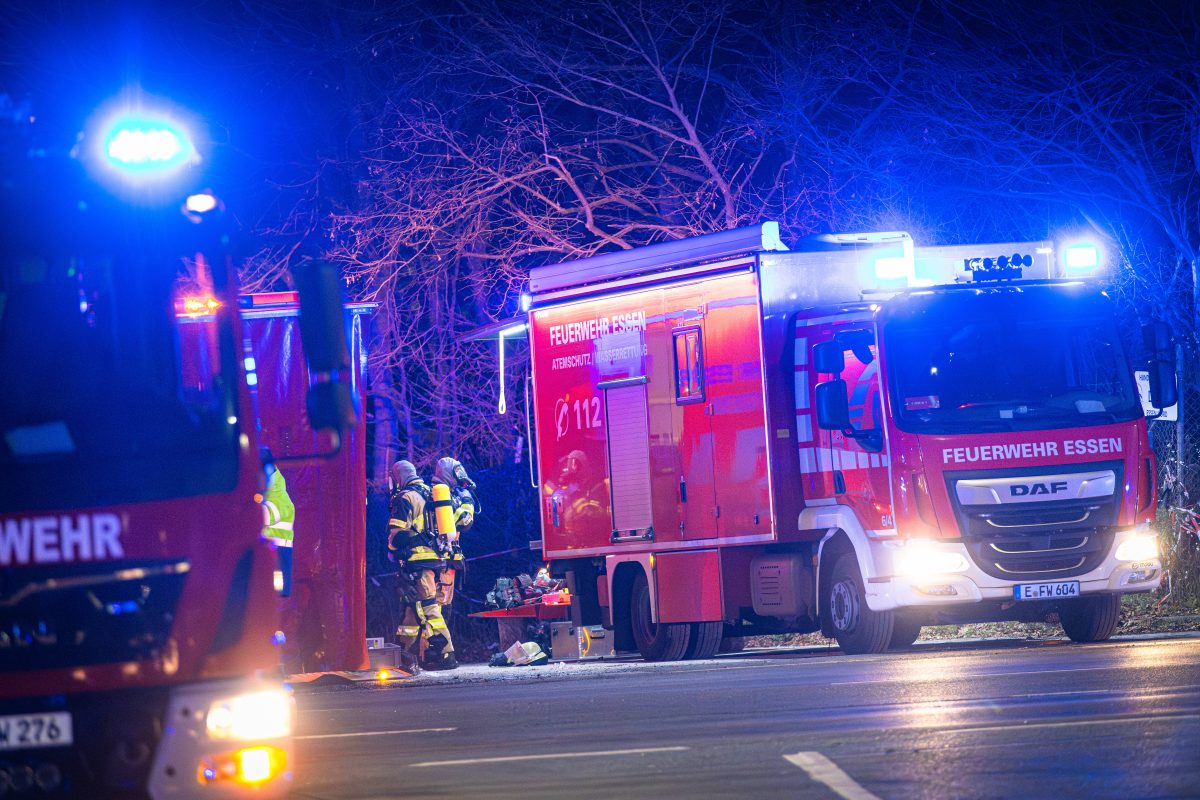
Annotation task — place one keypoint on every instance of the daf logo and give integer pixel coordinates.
(1026, 489)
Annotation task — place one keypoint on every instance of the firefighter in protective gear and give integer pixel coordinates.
(413, 544)
(279, 519)
(465, 507)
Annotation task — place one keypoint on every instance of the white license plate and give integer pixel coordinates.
(1046, 591)
(26, 731)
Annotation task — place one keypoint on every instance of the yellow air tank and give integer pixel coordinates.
(443, 512)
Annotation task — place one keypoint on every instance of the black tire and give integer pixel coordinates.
(704, 641)
(656, 641)
(1091, 619)
(732, 644)
(857, 628)
(905, 630)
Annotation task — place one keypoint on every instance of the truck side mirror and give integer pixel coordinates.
(829, 357)
(833, 410)
(1164, 380)
(332, 403)
(858, 341)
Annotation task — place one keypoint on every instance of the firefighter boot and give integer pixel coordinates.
(433, 663)
(439, 652)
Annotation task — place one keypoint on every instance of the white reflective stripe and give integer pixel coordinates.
(804, 431)
(272, 510)
(281, 542)
(800, 349)
(282, 525)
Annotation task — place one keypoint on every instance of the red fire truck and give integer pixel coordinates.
(858, 436)
(139, 627)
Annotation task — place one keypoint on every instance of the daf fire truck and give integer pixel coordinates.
(857, 436)
(139, 623)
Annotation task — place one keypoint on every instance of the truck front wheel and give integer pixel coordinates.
(905, 631)
(857, 628)
(656, 641)
(1091, 619)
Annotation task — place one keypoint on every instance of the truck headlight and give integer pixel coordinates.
(264, 714)
(921, 558)
(1139, 547)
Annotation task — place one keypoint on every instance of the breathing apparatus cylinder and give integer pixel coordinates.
(443, 512)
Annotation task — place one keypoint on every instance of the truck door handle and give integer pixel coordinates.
(554, 510)
(682, 490)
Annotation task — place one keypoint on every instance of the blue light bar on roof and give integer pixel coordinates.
(1081, 258)
(147, 145)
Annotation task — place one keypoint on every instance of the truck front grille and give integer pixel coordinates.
(84, 614)
(1047, 540)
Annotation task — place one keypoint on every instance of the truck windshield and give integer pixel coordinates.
(1006, 359)
(106, 398)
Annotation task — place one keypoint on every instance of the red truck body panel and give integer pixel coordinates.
(585, 350)
(324, 619)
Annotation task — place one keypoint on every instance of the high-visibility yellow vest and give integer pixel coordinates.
(279, 514)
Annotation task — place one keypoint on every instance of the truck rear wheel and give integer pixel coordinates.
(732, 644)
(704, 640)
(1091, 619)
(857, 628)
(656, 641)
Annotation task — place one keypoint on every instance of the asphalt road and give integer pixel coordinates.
(987, 720)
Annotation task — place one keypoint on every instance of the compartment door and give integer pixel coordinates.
(697, 473)
(628, 422)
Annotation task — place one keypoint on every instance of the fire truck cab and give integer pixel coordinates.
(140, 632)
(858, 436)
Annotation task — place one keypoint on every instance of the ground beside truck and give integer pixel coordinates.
(859, 436)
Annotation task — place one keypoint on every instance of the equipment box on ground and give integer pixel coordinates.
(385, 655)
(568, 642)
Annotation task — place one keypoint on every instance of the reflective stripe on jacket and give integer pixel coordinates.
(409, 537)
(279, 514)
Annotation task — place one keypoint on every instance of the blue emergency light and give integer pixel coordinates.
(1081, 259)
(147, 145)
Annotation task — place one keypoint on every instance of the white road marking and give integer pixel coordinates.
(1021, 726)
(549, 756)
(822, 770)
(373, 733)
(1139, 692)
(965, 676)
